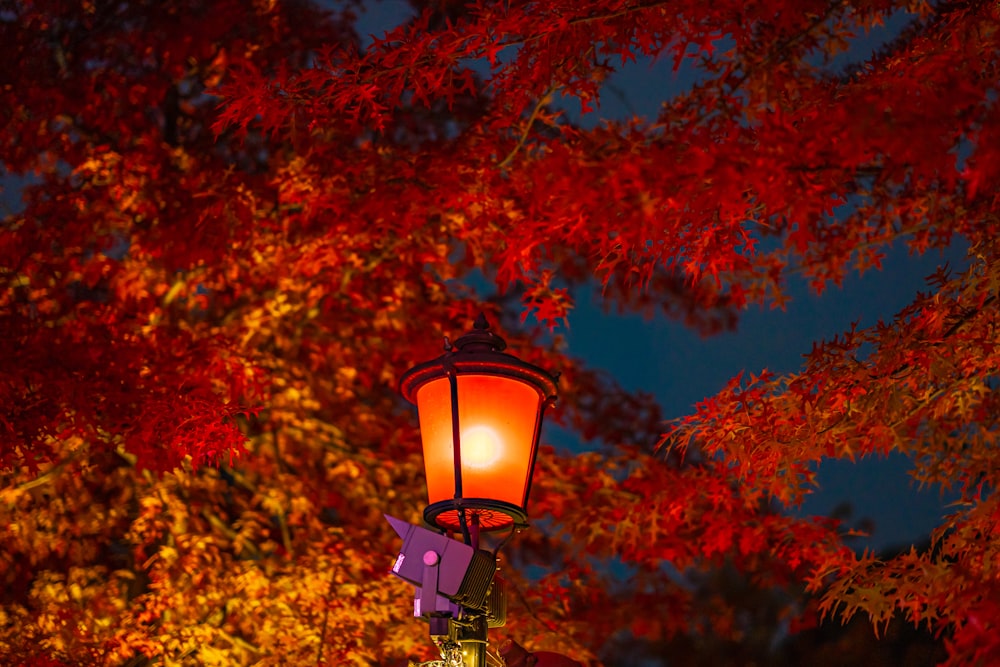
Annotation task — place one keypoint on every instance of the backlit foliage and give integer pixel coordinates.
(241, 221)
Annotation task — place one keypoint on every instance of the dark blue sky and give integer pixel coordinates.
(680, 368)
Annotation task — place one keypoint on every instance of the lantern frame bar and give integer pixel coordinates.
(456, 454)
(547, 403)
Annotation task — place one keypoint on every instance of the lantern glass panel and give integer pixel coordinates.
(498, 420)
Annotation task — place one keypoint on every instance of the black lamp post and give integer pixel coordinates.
(480, 413)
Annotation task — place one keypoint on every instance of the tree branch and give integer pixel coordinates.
(542, 101)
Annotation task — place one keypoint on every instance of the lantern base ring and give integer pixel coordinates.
(492, 514)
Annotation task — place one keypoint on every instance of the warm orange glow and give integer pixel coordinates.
(498, 417)
(481, 447)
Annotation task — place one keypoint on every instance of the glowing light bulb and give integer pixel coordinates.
(481, 447)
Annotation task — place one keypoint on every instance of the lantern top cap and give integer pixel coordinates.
(480, 339)
(479, 351)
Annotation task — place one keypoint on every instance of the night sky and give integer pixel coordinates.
(680, 368)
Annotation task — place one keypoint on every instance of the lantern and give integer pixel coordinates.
(480, 414)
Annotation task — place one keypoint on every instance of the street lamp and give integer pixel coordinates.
(480, 413)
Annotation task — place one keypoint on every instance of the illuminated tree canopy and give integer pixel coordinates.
(241, 221)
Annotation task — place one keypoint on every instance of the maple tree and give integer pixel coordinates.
(243, 222)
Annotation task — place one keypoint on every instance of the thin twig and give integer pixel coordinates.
(326, 618)
(527, 128)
